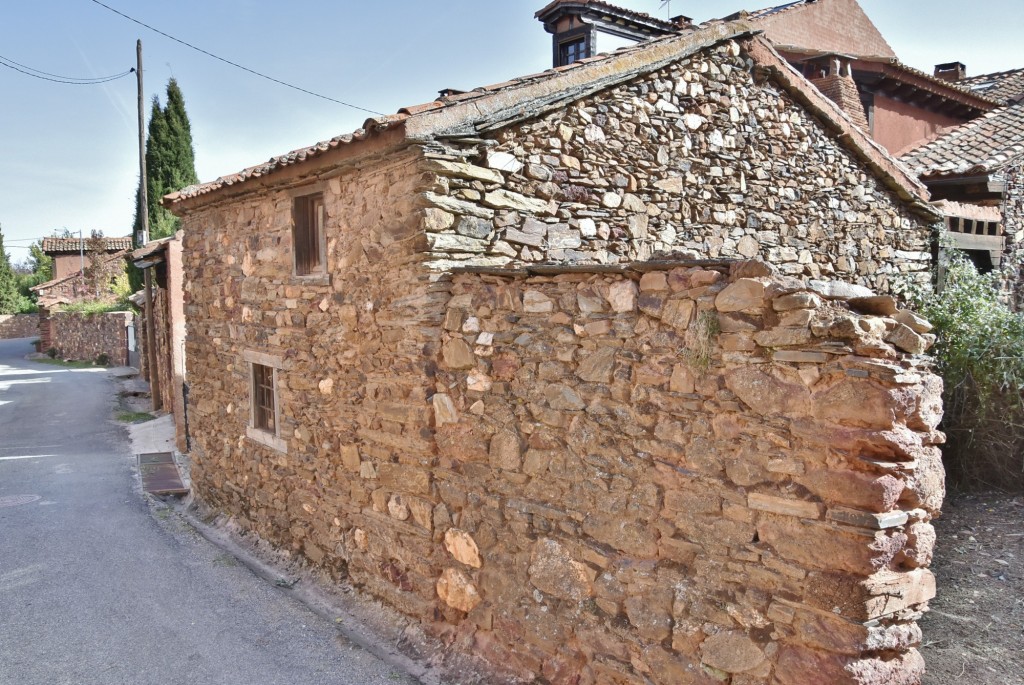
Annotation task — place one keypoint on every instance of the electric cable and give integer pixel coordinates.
(56, 78)
(234, 64)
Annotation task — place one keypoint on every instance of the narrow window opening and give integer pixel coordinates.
(264, 404)
(308, 235)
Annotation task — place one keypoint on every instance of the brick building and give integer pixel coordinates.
(70, 255)
(499, 359)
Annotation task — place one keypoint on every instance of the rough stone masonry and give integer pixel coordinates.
(686, 477)
(642, 472)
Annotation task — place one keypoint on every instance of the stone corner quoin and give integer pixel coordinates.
(633, 466)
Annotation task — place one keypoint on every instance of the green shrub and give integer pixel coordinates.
(979, 352)
(93, 307)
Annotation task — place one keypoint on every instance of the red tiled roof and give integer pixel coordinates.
(58, 245)
(895, 67)
(1004, 86)
(981, 146)
(934, 81)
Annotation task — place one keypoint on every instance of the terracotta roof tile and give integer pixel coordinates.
(1004, 86)
(769, 11)
(981, 146)
(57, 245)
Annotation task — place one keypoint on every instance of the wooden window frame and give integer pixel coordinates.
(260, 365)
(309, 239)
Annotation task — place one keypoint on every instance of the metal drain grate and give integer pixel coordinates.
(18, 500)
(160, 474)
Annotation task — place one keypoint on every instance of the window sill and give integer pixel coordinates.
(313, 279)
(266, 439)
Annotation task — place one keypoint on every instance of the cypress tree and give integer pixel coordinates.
(170, 166)
(10, 298)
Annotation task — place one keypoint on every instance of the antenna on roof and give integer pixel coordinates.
(668, 4)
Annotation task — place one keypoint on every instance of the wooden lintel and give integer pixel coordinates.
(971, 241)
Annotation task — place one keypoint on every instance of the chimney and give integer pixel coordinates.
(951, 71)
(837, 84)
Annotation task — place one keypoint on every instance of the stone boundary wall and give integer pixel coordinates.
(19, 326)
(693, 476)
(1013, 227)
(87, 336)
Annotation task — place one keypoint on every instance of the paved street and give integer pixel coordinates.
(94, 588)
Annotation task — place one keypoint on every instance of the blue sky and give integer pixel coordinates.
(69, 155)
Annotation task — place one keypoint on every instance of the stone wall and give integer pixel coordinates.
(1013, 228)
(698, 157)
(19, 326)
(87, 336)
(676, 478)
(356, 351)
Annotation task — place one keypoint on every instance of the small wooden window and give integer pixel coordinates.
(572, 51)
(264, 400)
(308, 235)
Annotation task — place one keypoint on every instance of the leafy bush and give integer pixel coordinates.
(93, 307)
(979, 353)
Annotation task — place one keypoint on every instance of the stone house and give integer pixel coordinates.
(499, 360)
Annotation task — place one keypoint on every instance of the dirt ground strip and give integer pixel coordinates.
(974, 632)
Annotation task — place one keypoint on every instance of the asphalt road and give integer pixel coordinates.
(95, 587)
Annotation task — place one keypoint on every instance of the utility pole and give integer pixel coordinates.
(152, 365)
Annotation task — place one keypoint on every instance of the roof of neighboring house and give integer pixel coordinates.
(1005, 86)
(76, 245)
(981, 146)
(830, 25)
(480, 111)
(150, 253)
(770, 11)
(615, 11)
(890, 73)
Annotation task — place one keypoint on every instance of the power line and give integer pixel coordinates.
(234, 64)
(55, 78)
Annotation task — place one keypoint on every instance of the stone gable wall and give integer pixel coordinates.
(18, 326)
(699, 158)
(683, 477)
(87, 336)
